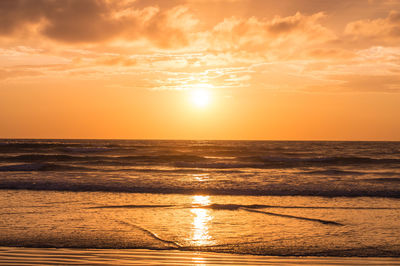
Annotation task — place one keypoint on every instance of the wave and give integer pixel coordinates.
(111, 156)
(131, 206)
(384, 180)
(217, 165)
(45, 158)
(61, 147)
(151, 234)
(102, 158)
(87, 149)
(244, 208)
(94, 167)
(336, 172)
(124, 186)
(41, 167)
(270, 163)
(345, 160)
(295, 217)
(228, 206)
(30, 145)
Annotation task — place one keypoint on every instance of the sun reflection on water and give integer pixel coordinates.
(198, 261)
(201, 200)
(200, 177)
(201, 221)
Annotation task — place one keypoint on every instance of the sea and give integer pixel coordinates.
(276, 198)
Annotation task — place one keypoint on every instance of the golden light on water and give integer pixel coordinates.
(202, 218)
(201, 200)
(199, 261)
(201, 178)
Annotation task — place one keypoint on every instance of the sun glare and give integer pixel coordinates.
(200, 97)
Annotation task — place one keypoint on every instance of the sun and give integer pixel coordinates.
(200, 97)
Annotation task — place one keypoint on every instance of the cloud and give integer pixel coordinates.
(169, 45)
(300, 22)
(116, 60)
(82, 21)
(8, 74)
(102, 21)
(96, 21)
(383, 31)
(66, 20)
(170, 28)
(17, 13)
(281, 33)
(329, 53)
(358, 83)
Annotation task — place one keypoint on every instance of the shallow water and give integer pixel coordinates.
(262, 225)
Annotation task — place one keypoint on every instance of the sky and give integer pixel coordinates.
(200, 69)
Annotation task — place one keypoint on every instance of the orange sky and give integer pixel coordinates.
(298, 70)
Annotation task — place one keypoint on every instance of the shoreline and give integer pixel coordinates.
(51, 256)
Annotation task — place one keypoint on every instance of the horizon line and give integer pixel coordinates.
(167, 139)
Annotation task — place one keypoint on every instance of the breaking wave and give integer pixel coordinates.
(130, 186)
(41, 167)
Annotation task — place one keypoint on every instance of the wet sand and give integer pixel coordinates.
(56, 256)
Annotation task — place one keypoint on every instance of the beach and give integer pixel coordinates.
(52, 256)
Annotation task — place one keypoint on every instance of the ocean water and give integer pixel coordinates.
(277, 198)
